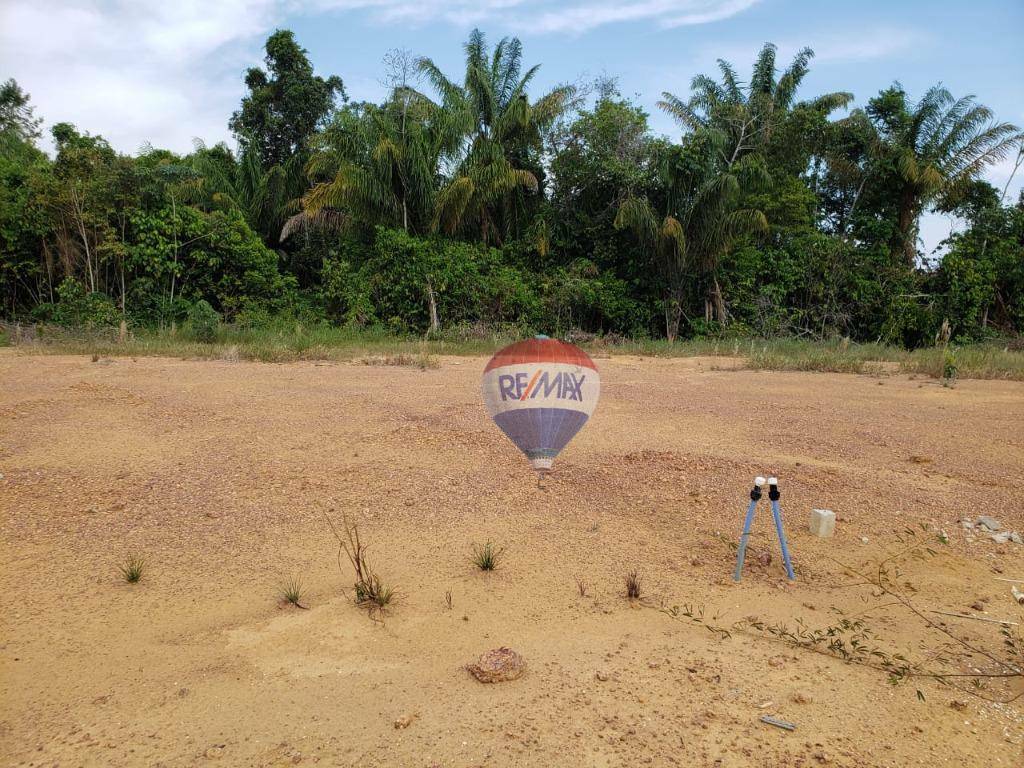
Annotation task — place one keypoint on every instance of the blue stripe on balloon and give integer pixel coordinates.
(541, 432)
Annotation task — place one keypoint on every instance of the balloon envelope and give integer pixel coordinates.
(540, 392)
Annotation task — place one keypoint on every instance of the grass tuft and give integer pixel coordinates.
(581, 587)
(486, 557)
(132, 568)
(370, 591)
(633, 585)
(291, 592)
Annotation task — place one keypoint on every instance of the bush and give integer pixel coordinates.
(78, 308)
(203, 322)
(390, 282)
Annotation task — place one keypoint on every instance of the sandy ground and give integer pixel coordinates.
(220, 473)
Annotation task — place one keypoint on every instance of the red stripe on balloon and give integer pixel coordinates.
(540, 351)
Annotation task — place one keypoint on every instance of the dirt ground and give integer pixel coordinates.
(220, 474)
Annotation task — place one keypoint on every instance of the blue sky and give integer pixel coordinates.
(166, 73)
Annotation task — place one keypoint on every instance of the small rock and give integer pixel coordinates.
(602, 676)
(701, 719)
(958, 705)
(764, 559)
(217, 750)
(988, 522)
(1016, 538)
(776, 661)
(497, 666)
(977, 605)
(863, 539)
(799, 697)
(404, 721)
(1001, 538)
(967, 524)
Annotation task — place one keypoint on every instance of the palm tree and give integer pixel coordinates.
(749, 117)
(379, 164)
(730, 129)
(491, 136)
(707, 215)
(262, 195)
(935, 148)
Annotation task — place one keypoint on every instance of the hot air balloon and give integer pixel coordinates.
(540, 392)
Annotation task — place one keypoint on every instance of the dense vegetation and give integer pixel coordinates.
(467, 199)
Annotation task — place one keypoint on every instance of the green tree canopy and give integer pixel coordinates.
(286, 103)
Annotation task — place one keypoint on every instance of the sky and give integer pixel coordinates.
(137, 71)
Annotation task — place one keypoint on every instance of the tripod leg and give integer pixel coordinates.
(777, 514)
(743, 539)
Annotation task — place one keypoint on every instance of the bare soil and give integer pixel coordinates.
(220, 475)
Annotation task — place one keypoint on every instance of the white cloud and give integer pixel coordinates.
(134, 71)
(168, 72)
(880, 43)
(547, 15)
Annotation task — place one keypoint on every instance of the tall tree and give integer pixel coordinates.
(931, 151)
(736, 138)
(286, 104)
(493, 138)
(377, 165)
(17, 114)
(758, 116)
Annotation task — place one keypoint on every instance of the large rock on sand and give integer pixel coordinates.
(497, 666)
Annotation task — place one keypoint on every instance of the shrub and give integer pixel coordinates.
(203, 322)
(79, 309)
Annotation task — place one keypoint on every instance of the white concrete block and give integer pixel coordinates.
(823, 522)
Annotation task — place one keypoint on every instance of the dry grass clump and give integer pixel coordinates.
(228, 354)
(633, 585)
(581, 586)
(421, 360)
(370, 591)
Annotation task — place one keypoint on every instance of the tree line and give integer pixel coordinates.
(470, 199)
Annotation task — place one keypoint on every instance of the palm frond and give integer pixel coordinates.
(325, 219)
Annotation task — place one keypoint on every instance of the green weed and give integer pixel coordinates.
(486, 557)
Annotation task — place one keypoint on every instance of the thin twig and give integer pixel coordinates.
(977, 618)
